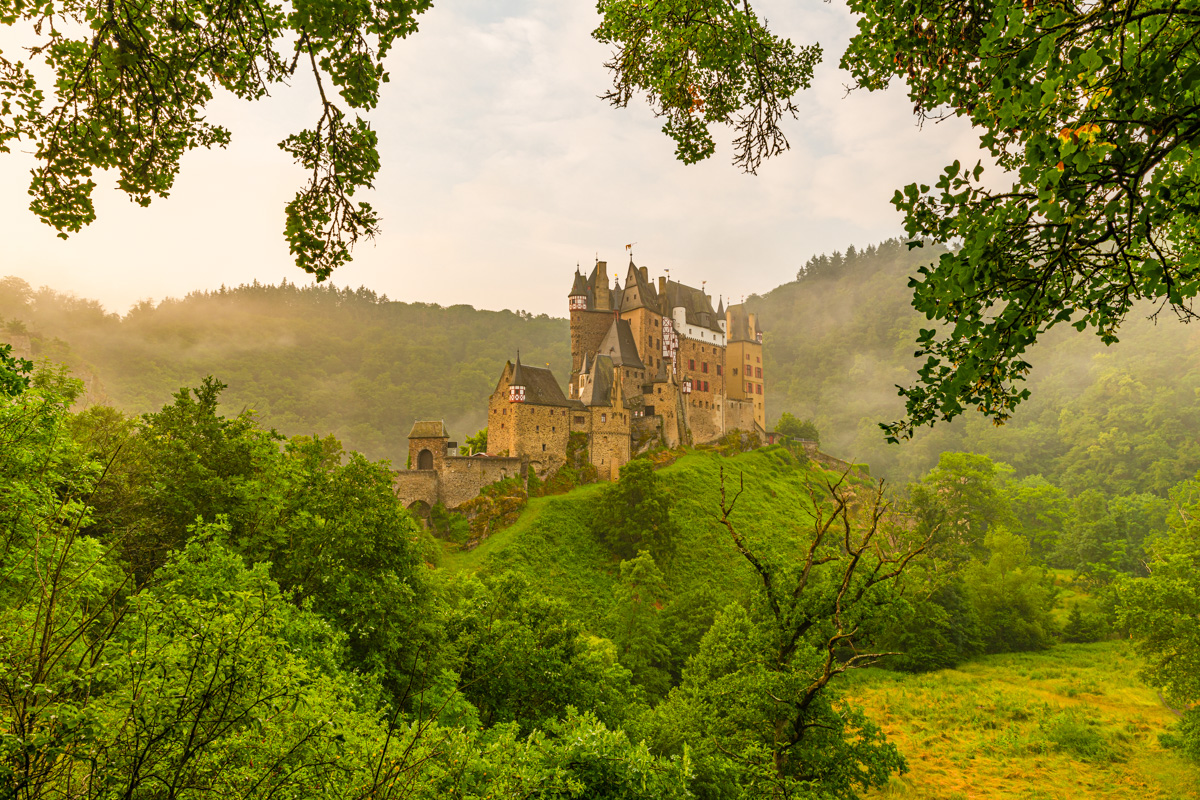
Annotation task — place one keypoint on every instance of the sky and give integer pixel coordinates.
(501, 171)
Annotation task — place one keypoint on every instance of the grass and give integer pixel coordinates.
(554, 547)
(1069, 722)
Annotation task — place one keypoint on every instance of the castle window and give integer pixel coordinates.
(749, 388)
(718, 369)
(604, 417)
(552, 429)
(537, 428)
(543, 447)
(580, 420)
(758, 372)
(691, 363)
(758, 359)
(759, 388)
(704, 367)
(734, 371)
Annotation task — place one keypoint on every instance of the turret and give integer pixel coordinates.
(577, 299)
(516, 387)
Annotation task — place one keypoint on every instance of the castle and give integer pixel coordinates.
(652, 363)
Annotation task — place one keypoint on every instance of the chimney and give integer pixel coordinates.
(603, 293)
(645, 274)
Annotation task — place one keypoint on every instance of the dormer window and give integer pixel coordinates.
(516, 394)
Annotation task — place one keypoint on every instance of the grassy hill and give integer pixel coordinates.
(553, 545)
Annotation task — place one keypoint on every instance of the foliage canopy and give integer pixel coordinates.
(132, 80)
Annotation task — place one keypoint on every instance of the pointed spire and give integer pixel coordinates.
(518, 379)
(579, 286)
(516, 386)
(721, 307)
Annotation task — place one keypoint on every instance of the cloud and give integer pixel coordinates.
(502, 169)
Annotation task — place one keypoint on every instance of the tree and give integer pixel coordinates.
(788, 425)
(758, 703)
(635, 514)
(522, 660)
(477, 443)
(130, 85)
(962, 498)
(705, 63)
(1162, 612)
(1089, 109)
(636, 623)
(14, 372)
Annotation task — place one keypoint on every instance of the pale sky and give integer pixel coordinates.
(502, 170)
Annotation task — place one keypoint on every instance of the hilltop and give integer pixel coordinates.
(839, 339)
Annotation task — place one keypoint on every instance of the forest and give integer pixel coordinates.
(211, 590)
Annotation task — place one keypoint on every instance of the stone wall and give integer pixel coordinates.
(416, 486)
(609, 443)
(435, 445)
(647, 433)
(705, 418)
(646, 326)
(587, 332)
(539, 433)
(460, 479)
(464, 476)
(702, 361)
(740, 416)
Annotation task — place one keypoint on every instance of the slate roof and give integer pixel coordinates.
(580, 286)
(639, 293)
(697, 306)
(429, 429)
(619, 346)
(599, 387)
(541, 387)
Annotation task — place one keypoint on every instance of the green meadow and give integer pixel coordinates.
(1072, 721)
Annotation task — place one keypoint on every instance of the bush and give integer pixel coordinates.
(635, 514)
(1079, 737)
(1084, 627)
(795, 428)
(497, 506)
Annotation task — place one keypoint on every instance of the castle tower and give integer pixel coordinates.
(427, 445)
(744, 360)
(590, 306)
